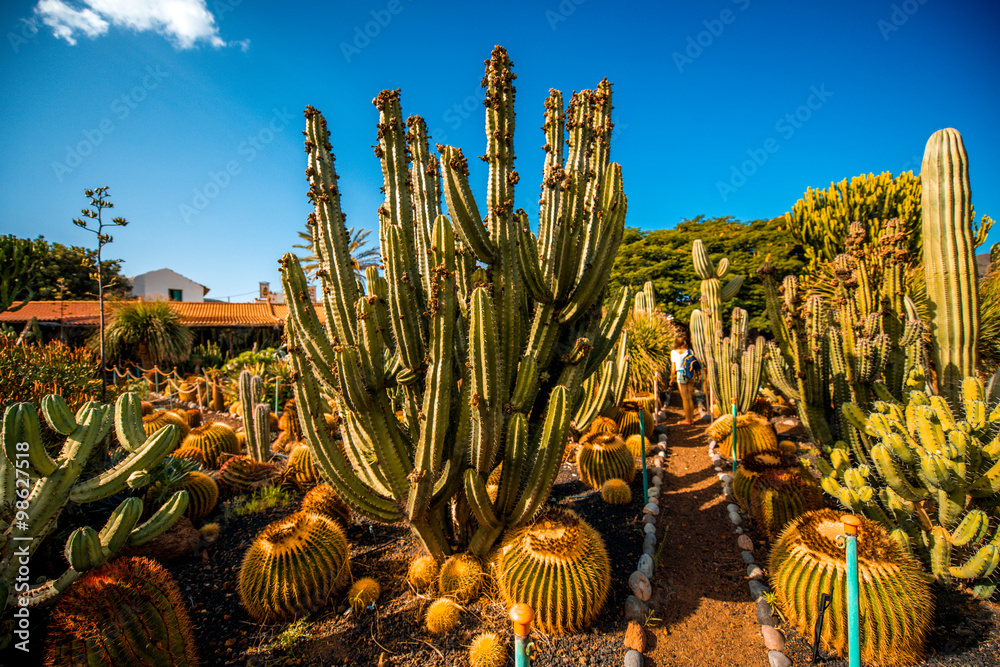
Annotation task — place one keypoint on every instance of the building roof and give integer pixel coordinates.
(206, 314)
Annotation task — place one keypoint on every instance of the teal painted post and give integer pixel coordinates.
(851, 524)
(277, 383)
(735, 456)
(645, 479)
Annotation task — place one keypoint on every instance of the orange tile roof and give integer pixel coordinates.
(207, 314)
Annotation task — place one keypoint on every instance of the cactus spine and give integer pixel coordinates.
(53, 482)
(523, 334)
(949, 259)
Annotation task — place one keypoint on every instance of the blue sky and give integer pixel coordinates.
(191, 110)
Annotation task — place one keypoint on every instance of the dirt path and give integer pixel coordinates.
(707, 614)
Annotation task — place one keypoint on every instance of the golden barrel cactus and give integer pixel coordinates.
(488, 650)
(603, 425)
(638, 445)
(363, 594)
(628, 422)
(604, 456)
(616, 492)
(460, 577)
(422, 573)
(322, 499)
(293, 567)
(559, 567)
(157, 419)
(300, 462)
(203, 494)
(894, 596)
(755, 464)
(217, 441)
(442, 615)
(753, 432)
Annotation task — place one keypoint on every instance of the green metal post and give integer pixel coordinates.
(522, 615)
(645, 479)
(735, 456)
(851, 524)
(277, 383)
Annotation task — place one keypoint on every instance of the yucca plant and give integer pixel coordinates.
(152, 329)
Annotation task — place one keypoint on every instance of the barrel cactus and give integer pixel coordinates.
(488, 650)
(754, 465)
(217, 441)
(779, 497)
(127, 613)
(603, 425)
(894, 596)
(322, 499)
(241, 474)
(422, 573)
(558, 566)
(460, 577)
(628, 422)
(442, 616)
(300, 462)
(293, 567)
(192, 454)
(602, 457)
(753, 434)
(638, 445)
(203, 492)
(363, 594)
(616, 492)
(156, 420)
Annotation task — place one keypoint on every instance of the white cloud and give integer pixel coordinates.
(184, 22)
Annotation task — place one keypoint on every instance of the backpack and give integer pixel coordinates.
(690, 366)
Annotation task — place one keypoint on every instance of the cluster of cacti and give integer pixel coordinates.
(422, 573)
(460, 577)
(216, 441)
(192, 454)
(302, 467)
(753, 434)
(241, 474)
(930, 478)
(257, 417)
(363, 594)
(291, 432)
(778, 498)
(126, 613)
(488, 650)
(604, 456)
(203, 495)
(616, 492)
(323, 499)
(559, 567)
(154, 421)
(293, 567)
(893, 595)
(56, 481)
(442, 616)
(603, 425)
(487, 338)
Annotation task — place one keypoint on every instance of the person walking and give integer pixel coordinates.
(683, 367)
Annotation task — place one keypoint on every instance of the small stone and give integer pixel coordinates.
(726, 478)
(648, 549)
(765, 615)
(778, 659)
(735, 518)
(747, 557)
(649, 528)
(773, 639)
(754, 571)
(663, 437)
(651, 508)
(726, 491)
(733, 507)
(738, 530)
(653, 492)
(745, 543)
(645, 566)
(657, 480)
(655, 501)
(635, 609)
(661, 455)
(649, 539)
(639, 583)
(648, 518)
(757, 589)
(718, 468)
(633, 658)
(712, 443)
(635, 637)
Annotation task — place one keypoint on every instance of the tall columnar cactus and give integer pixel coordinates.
(38, 487)
(950, 259)
(124, 614)
(256, 417)
(933, 480)
(486, 337)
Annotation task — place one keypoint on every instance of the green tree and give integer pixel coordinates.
(663, 257)
(151, 329)
(19, 259)
(70, 273)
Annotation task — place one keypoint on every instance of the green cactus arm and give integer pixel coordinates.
(371, 345)
(777, 371)
(752, 373)
(543, 334)
(407, 324)
(949, 259)
(46, 500)
(462, 204)
(516, 458)
(620, 384)
(545, 465)
(128, 421)
(359, 447)
(302, 316)
(552, 172)
(46, 593)
(115, 480)
(600, 190)
(525, 385)
(20, 425)
(699, 335)
(161, 521)
(90, 430)
(730, 289)
(479, 500)
(332, 245)
(118, 527)
(486, 399)
(594, 401)
(703, 265)
(610, 330)
(528, 253)
(58, 415)
(425, 195)
(256, 422)
(83, 550)
(451, 479)
(378, 299)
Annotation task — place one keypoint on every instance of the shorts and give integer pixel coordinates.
(681, 378)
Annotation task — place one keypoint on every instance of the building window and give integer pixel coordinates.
(175, 294)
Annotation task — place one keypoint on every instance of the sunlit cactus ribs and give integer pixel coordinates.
(487, 338)
(753, 434)
(126, 613)
(54, 482)
(216, 441)
(602, 457)
(894, 597)
(322, 499)
(754, 465)
(559, 567)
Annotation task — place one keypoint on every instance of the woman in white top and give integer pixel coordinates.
(682, 348)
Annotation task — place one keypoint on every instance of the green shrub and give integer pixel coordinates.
(30, 371)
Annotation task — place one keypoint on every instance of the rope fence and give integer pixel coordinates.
(205, 390)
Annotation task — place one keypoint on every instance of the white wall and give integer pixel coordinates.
(157, 285)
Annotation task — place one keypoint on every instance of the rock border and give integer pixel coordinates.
(774, 639)
(640, 581)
